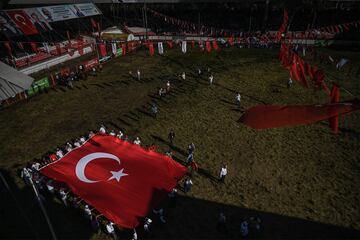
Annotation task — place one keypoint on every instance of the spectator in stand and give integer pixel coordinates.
(91, 134)
(26, 174)
(223, 173)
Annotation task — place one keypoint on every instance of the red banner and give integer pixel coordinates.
(88, 65)
(270, 116)
(123, 181)
(22, 21)
(102, 48)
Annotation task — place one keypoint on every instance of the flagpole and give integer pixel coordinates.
(43, 210)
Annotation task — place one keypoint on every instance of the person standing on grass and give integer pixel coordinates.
(154, 110)
(223, 173)
(187, 185)
(111, 230)
(289, 83)
(138, 74)
(171, 137)
(168, 86)
(190, 158)
(211, 79)
(238, 99)
(183, 76)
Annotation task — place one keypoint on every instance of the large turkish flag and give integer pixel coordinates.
(22, 21)
(121, 180)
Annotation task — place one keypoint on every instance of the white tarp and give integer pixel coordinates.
(12, 81)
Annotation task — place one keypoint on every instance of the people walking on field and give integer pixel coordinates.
(183, 76)
(223, 173)
(289, 83)
(138, 74)
(238, 99)
(171, 136)
(187, 185)
(168, 86)
(211, 79)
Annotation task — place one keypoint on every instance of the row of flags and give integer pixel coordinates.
(275, 116)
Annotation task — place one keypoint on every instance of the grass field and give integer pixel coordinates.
(302, 181)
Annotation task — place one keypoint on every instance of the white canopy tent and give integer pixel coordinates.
(12, 81)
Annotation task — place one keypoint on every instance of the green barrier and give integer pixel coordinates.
(39, 85)
(119, 52)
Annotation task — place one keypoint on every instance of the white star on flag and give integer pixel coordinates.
(117, 175)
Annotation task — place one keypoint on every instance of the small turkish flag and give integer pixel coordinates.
(121, 180)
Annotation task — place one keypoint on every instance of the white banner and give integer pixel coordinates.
(57, 13)
(38, 20)
(160, 48)
(85, 9)
(113, 46)
(183, 46)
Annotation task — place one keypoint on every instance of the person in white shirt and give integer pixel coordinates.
(168, 86)
(223, 173)
(183, 76)
(137, 141)
(59, 153)
(50, 186)
(211, 79)
(199, 71)
(147, 224)
(289, 83)
(238, 99)
(77, 144)
(35, 166)
(87, 212)
(138, 74)
(102, 129)
(63, 197)
(111, 230)
(120, 134)
(134, 237)
(82, 140)
(26, 174)
(112, 133)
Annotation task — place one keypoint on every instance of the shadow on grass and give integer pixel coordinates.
(186, 218)
(172, 147)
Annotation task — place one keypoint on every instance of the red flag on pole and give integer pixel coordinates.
(271, 116)
(215, 45)
(151, 49)
(102, 48)
(123, 181)
(208, 46)
(123, 49)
